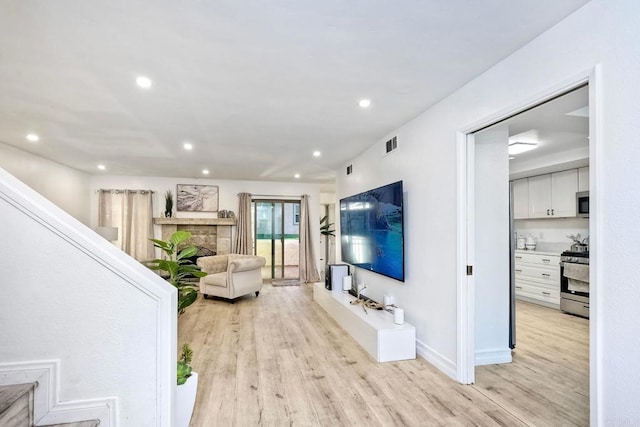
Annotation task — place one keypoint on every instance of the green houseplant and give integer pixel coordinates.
(168, 203)
(178, 266)
(325, 227)
(184, 364)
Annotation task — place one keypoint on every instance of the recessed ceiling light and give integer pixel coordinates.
(188, 146)
(102, 167)
(364, 103)
(144, 82)
(296, 176)
(33, 137)
(205, 171)
(521, 147)
(317, 154)
(511, 158)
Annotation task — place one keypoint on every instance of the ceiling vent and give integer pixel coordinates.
(391, 145)
(349, 169)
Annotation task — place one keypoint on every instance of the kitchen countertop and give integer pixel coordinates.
(538, 252)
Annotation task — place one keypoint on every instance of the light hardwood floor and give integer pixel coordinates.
(281, 360)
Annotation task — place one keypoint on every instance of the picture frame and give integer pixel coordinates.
(197, 198)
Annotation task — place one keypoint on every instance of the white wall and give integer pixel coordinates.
(227, 196)
(64, 186)
(604, 33)
(69, 295)
(553, 231)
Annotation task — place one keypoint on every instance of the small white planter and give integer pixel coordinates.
(186, 400)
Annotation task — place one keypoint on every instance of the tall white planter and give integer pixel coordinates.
(186, 400)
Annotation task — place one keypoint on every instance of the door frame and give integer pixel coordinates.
(465, 365)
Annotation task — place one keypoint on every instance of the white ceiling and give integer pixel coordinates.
(255, 86)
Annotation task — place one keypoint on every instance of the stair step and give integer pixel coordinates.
(16, 405)
(91, 423)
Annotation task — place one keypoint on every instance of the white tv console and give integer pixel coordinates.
(374, 331)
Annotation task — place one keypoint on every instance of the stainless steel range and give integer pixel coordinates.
(574, 283)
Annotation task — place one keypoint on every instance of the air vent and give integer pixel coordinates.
(391, 145)
(349, 169)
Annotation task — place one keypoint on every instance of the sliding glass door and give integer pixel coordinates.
(276, 236)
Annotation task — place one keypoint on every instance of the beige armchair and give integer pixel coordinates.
(231, 276)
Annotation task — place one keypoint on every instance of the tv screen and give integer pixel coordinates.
(371, 230)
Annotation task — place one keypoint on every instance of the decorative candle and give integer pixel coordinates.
(398, 316)
(388, 300)
(346, 283)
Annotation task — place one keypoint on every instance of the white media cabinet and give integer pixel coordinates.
(374, 331)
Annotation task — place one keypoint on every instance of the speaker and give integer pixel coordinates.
(335, 273)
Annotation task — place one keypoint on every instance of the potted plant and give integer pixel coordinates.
(187, 388)
(178, 266)
(168, 203)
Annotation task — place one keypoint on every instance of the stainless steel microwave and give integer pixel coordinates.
(582, 204)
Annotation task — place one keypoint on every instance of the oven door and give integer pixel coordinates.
(571, 300)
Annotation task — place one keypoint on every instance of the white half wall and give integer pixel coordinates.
(64, 186)
(67, 294)
(603, 33)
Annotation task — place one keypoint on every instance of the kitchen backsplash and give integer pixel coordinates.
(553, 230)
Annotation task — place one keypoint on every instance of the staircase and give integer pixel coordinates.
(16, 408)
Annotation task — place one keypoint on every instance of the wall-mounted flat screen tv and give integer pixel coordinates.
(371, 230)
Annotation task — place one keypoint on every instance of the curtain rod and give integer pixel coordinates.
(122, 191)
(275, 195)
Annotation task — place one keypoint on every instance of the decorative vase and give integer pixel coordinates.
(186, 400)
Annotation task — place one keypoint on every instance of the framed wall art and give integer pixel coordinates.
(197, 198)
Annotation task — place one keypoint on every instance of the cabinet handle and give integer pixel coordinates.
(546, 260)
(518, 257)
(546, 293)
(552, 212)
(518, 271)
(546, 274)
(547, 211)
(518, 287)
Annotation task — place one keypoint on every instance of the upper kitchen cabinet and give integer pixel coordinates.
(520, 192)
(553, 195)
(583, 179)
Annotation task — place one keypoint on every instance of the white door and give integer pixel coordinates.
(491, 246)
(540, 196)
(564, 186)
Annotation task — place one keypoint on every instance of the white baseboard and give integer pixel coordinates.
(493, 356)
(436, 359)
(47, 408)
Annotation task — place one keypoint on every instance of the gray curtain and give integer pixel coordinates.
(308, 268)
(242, 244)
(131, 211)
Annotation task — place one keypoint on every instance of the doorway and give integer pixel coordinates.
(276, 237)
(471, 290)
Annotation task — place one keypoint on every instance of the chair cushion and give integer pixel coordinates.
(216, 279)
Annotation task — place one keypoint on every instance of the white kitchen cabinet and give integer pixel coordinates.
(583, 179)
(553, 195)
(520, 191)
(538, 278)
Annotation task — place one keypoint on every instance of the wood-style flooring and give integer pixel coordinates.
(281, 360)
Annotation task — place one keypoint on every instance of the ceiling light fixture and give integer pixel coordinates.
(144, 82)
(317, 154)
(205, 171)
(521, 147)
(33, 137)
(296, 176)
(102, 167)
(188, 146)
(364, 103)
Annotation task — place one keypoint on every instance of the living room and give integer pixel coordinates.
(594, 43)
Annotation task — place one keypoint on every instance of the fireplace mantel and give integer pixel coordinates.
(194, 221)
(211, 233)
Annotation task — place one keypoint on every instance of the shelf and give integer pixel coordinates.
(194, 221)
(374, 331)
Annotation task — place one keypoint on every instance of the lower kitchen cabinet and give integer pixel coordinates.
(538, 278)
